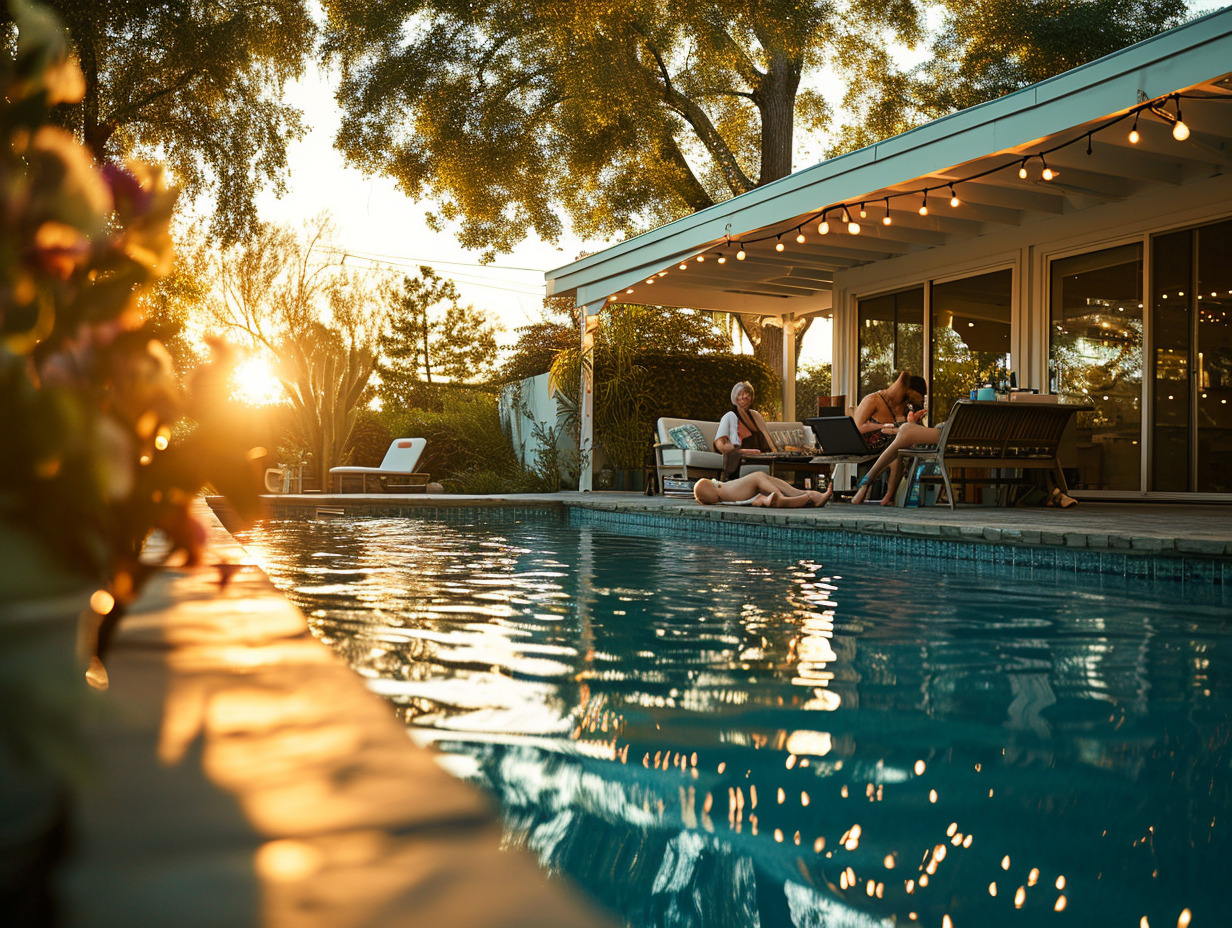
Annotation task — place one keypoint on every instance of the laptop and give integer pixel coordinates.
(837, 435)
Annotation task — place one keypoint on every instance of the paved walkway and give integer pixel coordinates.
(246, 777)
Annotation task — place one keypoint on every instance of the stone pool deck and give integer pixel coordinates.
(244, 776)
(1143, 539)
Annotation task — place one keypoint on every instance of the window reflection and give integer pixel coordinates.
(891, 337)
(1095, 356)
(970, 341)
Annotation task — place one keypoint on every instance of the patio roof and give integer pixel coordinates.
(1076, 124)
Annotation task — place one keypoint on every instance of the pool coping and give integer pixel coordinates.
(1180, 542)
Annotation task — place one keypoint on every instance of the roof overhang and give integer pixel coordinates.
(678, 264)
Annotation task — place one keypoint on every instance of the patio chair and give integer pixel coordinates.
(396, 472)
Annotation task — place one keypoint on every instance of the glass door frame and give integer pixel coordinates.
(1042, 333)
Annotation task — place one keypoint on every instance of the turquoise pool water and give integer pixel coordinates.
(707, 735)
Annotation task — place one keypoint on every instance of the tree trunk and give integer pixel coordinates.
(776, 101)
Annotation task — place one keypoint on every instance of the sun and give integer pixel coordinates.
(254, 383)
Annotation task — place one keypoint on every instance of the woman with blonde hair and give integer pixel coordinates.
(742, 431)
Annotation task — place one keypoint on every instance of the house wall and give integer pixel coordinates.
(1027, 250)
(527, 403)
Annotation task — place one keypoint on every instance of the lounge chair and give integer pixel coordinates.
(397, 470)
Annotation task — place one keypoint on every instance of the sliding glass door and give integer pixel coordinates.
(1191, 314)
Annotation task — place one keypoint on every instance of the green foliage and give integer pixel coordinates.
(467, 451)
(459, 346)
(199, 85)
(370, 439)
(97, 452)
(812, 382)
(636, 382)
(620, 115)
(535, 350)
(988, 48)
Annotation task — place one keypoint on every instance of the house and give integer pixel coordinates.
(1077, 233)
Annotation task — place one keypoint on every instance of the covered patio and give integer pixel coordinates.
(1028, 230)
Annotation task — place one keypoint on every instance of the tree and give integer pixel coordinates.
(197, 86)
(621, 116)
(459, 346)
(988, 48)
(321, 323)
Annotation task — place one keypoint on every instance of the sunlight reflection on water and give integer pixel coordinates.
(703, 737)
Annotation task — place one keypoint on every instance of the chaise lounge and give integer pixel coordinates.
(396, 471)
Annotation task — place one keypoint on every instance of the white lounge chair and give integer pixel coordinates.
(399, 466)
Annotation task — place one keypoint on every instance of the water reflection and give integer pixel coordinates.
(708, 737)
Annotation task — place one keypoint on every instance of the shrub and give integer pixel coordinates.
(467, 450)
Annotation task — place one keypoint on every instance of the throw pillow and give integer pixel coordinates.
(688, 437)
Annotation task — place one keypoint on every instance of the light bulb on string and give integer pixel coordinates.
(1048, 173)
(1134, 136)
(823, 227)
(722, 259)
(740, 254)
(863, 212)
(852, 226)
(924, 205)
(778, 243)
(683, 266)
(1180, 131)
(701, 259)
(954, 201)
(886, 220)
(799, 237)
(1022, 169)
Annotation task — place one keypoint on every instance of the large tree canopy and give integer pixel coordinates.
(988, 48)
(195, 85)
(623, 115)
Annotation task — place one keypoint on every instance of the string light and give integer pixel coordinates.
(1180, 131)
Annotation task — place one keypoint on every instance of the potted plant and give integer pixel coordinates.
(101, 447)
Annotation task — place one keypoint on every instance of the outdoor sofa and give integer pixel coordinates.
(676, 455)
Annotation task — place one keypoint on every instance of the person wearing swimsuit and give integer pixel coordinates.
(882, 418)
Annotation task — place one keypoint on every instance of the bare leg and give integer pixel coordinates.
(777, 492)
(910, 434)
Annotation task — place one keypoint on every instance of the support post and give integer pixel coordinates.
(789, 368)
(589, 323)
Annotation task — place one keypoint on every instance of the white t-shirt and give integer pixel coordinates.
(728, 428)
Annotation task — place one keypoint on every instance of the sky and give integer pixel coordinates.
(377, 221)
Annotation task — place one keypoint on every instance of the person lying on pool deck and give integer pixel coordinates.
(758, 489)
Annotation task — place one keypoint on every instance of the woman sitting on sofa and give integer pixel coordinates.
(741, 432)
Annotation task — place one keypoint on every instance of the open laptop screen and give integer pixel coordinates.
(837, 434)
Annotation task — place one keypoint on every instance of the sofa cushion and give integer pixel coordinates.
(688, 437)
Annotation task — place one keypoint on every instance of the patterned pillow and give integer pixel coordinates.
(688, 437)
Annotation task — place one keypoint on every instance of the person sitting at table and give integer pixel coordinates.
(742, 431)
(758, 489)
(908, 434)
(881, 415)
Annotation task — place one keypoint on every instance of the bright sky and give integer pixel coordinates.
(378, 221)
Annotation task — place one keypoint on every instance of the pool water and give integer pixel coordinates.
(706, 735)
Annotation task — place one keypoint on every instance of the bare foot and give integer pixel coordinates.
(858, 496)
(820, 499)
(766, 499)
(887, 500)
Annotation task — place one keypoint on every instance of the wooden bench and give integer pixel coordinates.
(998, 435)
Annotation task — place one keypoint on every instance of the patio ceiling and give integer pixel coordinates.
(1076, 124)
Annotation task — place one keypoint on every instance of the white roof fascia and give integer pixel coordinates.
(1173, 60)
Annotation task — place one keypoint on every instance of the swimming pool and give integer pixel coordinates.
(701, 734)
